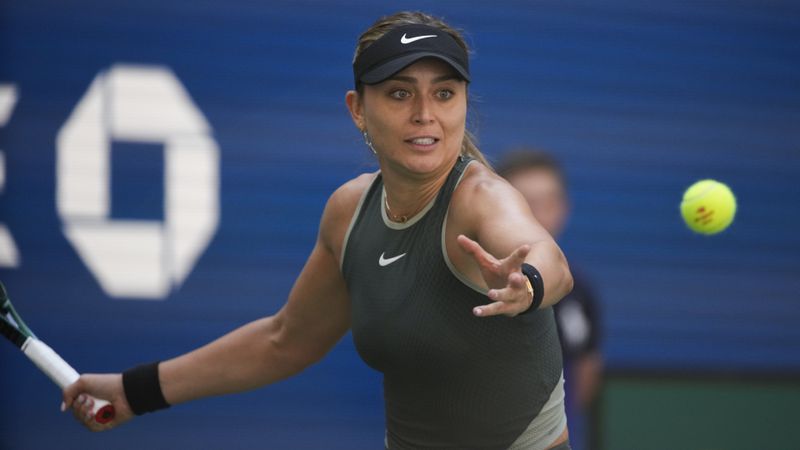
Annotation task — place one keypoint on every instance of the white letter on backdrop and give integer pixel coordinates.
(138, 258)
(9, 255)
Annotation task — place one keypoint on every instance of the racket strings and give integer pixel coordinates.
(10, 315)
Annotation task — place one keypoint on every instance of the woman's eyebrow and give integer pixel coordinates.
(439, 79)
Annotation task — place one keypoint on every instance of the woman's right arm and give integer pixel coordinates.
(313, 320)
(267, 350)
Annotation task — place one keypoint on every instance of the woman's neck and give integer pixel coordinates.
(407, 196)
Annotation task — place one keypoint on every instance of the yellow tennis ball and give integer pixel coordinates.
(708, 206)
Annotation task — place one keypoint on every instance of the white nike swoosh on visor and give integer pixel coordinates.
(407, 40)
(386, 261)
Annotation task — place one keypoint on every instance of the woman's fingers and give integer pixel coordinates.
(510, 300)
(510, 294)
(518, 256)
(82, 411)
(80, 398)
(481, 256)
(70, 394)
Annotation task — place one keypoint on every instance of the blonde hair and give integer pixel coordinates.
(385, 24)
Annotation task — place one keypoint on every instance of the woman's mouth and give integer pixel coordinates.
(423, 141)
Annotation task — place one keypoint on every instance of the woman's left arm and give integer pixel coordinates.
(498, 231)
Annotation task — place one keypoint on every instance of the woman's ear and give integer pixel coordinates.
(353, 101)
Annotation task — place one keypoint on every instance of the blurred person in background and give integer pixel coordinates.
(541, 180)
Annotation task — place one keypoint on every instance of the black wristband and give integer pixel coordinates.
(143, 389)
(538, 287)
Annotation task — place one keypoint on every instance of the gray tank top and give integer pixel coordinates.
(451, 380)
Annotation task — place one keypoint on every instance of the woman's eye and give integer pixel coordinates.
(445, 94)
(400, 94)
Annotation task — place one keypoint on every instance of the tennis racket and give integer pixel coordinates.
(45, 358)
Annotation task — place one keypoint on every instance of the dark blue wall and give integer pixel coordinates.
(637, 99)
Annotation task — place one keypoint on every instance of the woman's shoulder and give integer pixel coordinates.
(483, 197)
(341, 206)
(349, 194)
(480, 185)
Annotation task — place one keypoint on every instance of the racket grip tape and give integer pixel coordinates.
(62, 374)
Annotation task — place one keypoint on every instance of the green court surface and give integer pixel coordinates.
(699, 413)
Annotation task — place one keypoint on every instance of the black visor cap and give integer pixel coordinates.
(405, 45)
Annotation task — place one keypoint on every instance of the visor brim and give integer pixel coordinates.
(389, 68)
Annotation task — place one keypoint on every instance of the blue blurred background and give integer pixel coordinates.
(637, 99)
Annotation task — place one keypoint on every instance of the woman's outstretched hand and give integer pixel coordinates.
(508, 288)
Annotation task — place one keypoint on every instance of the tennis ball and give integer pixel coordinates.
(708, 206)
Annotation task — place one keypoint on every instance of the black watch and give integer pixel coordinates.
(535, 280)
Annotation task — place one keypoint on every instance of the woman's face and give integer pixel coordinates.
(416, 118)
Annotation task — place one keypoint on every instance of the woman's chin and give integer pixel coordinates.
(428, 164)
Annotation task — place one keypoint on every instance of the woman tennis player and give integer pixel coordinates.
(434, 262)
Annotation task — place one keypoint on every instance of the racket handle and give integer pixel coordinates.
(62, 374)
